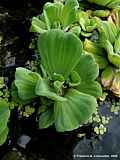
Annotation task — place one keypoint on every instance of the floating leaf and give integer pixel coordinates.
(98, 53)
(75, 111)
(38, 25)
(113, 57)
(107, 3)
(88, 71)
(92, 88)
(46, 119)
(87, 68)
(70, 12)
(60, 52)
(101, 13)
(54, 13)
(25, 81)
(61, 16)
(3, 136)
(4, 117)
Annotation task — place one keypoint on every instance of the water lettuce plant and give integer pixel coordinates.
(106, 52)
(87, 23)
(57, 15)
(67, 84)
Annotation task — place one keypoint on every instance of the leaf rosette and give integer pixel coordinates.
(57, 15)
(107, 52)
(70, 83)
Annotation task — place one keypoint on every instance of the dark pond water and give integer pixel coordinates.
(15, 18)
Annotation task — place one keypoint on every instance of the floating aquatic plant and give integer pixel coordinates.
(57, 15)
(69, 82)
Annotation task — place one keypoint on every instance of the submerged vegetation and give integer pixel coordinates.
(77, 64)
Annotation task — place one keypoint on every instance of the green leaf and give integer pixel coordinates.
(59, 15)
(87, 68)
(114, 58)
(107, 3)
(60, 52)
(117, 44)
(25, 81)
(15, 96)
(3, 136)
(101, 13)
(108, 31)
(74, 77)
(37, 25)
(4, 117)
(98, 53)
(86, 34)
(43, 89)
(70, 12)
(58, 77)
(88, 71)
(83, 19)
(46, 119)
(100, 2)
(76, 30)
(70, 114)
(92, 88)
(114, 4)
(54, 13)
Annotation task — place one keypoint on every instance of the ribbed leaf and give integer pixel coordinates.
(60, 52)
(97, 52)
(107, 3)
(114, 58)
(92, 88)
(88, 71)
(3, 135)
(100, 2)
(25, 81)
(117, 44)
(114, 4)
(69, 12)
(4, 115)
(37, 25)
(54, 13)
(108, 31)
(101, 13)
(87, 68)
(46, 119)
(75, 111)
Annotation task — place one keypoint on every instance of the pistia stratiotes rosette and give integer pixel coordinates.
(87, 23)
(57, 15)
(110, 40)
(67, 89)
(67, 17)
(107, 53)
